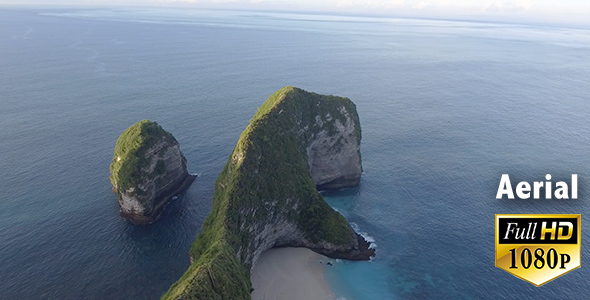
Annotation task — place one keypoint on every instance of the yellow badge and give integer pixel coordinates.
(538, 248)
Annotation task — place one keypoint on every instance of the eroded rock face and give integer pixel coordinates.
(148, 169)
(285, 233)
(333, 154)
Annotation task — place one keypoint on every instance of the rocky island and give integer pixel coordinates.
(267, 194)
(148, 169)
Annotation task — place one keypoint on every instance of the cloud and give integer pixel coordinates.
(507, 6)
(370, 4)
(179, 1)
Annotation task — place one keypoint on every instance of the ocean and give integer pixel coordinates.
(446, 107)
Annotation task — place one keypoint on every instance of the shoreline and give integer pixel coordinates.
(154, 215)
(290, 274)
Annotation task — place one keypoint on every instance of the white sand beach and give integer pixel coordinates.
(290, 274)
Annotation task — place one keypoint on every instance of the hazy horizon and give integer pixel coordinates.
(567, 12)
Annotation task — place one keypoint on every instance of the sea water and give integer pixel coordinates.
(446, 107)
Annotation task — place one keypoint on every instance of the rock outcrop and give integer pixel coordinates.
(266, 196)
(333, 151)
(148, 169)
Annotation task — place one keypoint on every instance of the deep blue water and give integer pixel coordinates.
(446, 108)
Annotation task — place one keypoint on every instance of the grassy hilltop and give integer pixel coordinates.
(130, 149)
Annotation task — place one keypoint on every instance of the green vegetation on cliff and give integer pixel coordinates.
(130, 149)
(266, 175)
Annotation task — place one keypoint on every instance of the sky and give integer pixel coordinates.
(538, 11)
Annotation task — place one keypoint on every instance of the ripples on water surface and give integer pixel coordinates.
(446, 107)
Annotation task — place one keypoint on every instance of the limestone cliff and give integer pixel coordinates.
(333, 150)
(148, 169)
(266, 196)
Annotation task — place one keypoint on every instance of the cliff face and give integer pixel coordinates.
(266, 196)
(148, 169)
(333, 152)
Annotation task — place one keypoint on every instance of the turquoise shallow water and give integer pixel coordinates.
(446, 107)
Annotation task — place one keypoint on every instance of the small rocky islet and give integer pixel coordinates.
(147, 171)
